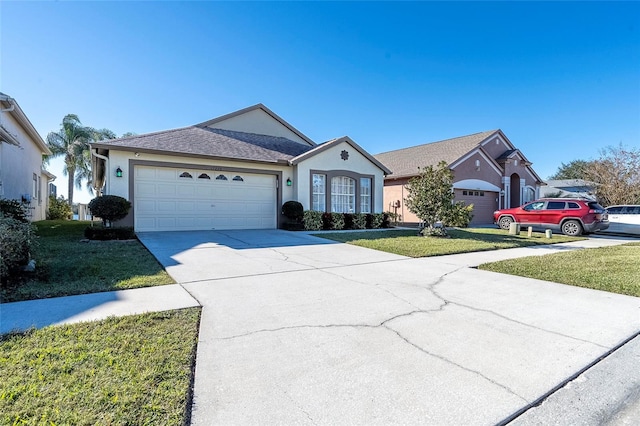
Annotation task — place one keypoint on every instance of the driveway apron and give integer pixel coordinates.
(298, 329)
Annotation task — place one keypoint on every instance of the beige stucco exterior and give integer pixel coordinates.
(330, 160)
(261, 121)
(21, 174)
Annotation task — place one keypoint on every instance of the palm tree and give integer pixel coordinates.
(72, 142)
(83, 170)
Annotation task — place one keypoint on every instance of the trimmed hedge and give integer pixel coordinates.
(109, 208)
(316, 221)
(104, 234)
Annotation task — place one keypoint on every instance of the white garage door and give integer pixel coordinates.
(169, 199)
(484, 204)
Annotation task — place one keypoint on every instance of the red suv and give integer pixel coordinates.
(570, 215)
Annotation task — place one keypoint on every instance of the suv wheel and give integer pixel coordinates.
(572, 228)
(505, 222)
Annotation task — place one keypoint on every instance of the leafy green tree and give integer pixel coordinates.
(72, 142)
(572, 170)
(430, 197)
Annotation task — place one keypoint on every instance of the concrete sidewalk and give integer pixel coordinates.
(91, 307)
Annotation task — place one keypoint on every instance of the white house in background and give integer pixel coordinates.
(22, 176)
(573, 188)
(234, 172)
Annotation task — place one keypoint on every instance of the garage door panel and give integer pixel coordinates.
(146, 188)
(165, 201)
(163, 173)
(145, 172)
(483, 205)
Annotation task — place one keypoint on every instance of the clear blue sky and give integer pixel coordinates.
(562, 80)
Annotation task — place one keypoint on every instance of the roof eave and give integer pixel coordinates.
(26, 124)
(186, 154)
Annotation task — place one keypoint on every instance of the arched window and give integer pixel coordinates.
(238, 179)
(186, 175)
(204, 176)
(221, 177)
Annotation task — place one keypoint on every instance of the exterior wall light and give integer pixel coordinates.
(289, 182)
(118, 172)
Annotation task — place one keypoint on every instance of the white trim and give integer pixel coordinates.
(476, 184)
(530, 174)
(482, 154)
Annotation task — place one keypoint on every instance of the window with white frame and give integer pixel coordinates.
(343, 194)
(319, 192)
(365, 195)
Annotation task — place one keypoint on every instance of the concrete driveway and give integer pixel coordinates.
(300, 330)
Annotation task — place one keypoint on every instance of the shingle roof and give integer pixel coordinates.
(204, 141)
(406, 161)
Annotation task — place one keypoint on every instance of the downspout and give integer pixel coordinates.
(107, 182)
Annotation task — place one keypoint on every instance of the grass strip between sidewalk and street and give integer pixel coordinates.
(67, 264)
(130, 370)
(409, 243)
(615, 269)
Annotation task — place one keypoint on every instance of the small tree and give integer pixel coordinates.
(109, 208)
(430, 197)
(59, 209)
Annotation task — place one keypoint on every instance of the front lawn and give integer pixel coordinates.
(65, 265)
(615, 269)
(408, 243)
(132, 370)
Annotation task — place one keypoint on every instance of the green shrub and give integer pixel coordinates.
(293, 210)
(359, 221)
(109, 208)
(337, 221)
(312, 220)
(348, 220)
(377, 220)
(14, 209)
(59, 208)
(17, 242)
(460, 215)
(103, 234)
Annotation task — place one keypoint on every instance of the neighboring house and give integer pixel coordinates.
(234, 172)
(22, 176)
(489, 172)
(569, 188)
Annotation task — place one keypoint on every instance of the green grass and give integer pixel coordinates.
(408, 243)
(615, 269)
(66, 266)
(132, 370)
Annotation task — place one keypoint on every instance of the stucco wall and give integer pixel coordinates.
(330, 159)
(18, 164)
(258, 121)
(495, 146)
(486, 171)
